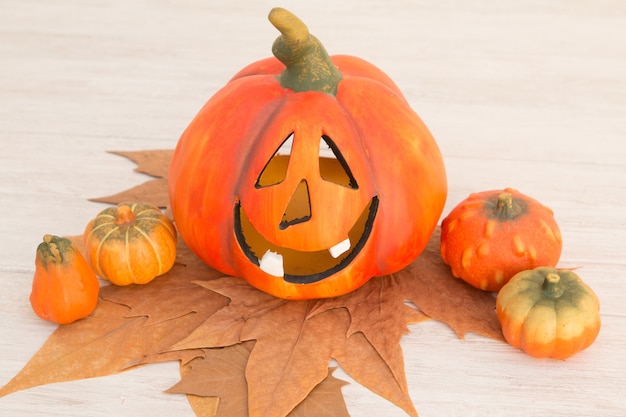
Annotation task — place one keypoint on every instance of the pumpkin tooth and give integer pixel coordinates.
(340, 248)
(272, 263)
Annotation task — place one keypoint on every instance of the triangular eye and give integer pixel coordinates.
(333, 166)
(275, 170)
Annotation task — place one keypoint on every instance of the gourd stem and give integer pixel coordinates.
(125, 215)
(308, 66)
(53, 249)
(507, 207)
(552, 285)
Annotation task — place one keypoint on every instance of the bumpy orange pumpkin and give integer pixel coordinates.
(357, 193)
(492, 235)
(65, 288)
(131, 243)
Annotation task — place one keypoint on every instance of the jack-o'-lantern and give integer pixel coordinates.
(307, 175)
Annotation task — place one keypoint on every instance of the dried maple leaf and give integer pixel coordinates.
(297, 344)
(148, 192)
(326, 400)
(430, 285)
(152, 162)
(370, 334)
(377, 310)
(173, 294)
(101, 344)
(281, 370)
(203, 406)
(220, 373)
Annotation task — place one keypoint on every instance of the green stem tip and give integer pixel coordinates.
(507, 207)
(52, 249)
(552, 285)
(308, 65)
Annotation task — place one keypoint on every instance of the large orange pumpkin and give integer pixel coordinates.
(357, 195)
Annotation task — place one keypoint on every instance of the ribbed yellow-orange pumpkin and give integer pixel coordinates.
(131, 243)
(548, 312)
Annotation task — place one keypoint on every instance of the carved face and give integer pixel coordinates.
(310, 218)
(306, 209)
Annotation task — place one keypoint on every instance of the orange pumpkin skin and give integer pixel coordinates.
(492, 235)
(215, 170)
(65, 288)
(131, 243)
(548, 313)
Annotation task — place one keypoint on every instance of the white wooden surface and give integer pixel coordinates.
(527, 94)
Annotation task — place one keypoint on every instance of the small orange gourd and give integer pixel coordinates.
(492, 235)
(548, 313)
(131, 243)
(65, 288)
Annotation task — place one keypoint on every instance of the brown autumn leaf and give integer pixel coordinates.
(174, 318)
(172, 296)
(220, 373)
(101, 344)
(149, 192)
(326, 400)
(299, 345)
(428, 284)
(203, 406)
(379, 313)
(152, 162)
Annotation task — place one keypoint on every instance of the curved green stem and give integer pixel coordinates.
(308, 66)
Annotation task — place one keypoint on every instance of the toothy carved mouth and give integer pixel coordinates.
(302, 267)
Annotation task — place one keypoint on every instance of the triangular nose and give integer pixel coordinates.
(299, 208)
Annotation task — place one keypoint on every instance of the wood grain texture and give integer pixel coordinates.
(530, 95)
